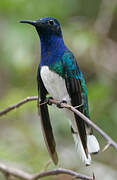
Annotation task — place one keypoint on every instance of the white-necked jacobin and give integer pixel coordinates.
(59, 75)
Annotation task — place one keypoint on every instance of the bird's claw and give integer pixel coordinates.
(47, 100)
(59, 103)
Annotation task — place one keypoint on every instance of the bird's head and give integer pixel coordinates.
(48, 25)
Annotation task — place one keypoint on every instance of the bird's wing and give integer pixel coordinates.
(73, 85)
(45, 120)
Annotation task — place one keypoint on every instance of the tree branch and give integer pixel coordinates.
(26, 176)
(61, 171)
(71, 108)
(9, 108)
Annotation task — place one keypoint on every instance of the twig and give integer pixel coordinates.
(14, 172)
(61, 171)
(106, 147)
(32, 98)
(26, 176)
(47, 165)
(71, 108)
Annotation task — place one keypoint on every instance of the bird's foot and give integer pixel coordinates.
(76, 107)
(73, 132)
(60, 102)
(47, 100)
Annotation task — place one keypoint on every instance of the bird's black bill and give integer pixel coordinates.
(28, 22)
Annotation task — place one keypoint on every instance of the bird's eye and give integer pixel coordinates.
(51, 22)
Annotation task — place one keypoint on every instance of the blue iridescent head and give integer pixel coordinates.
(52, 44)
(46, 25)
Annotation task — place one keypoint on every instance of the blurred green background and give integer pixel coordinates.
(90, 31)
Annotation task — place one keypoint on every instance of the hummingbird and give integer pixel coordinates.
(60, 76)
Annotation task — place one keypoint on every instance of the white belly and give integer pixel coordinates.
(54, 84)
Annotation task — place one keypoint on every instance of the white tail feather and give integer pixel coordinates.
(81, 151)
(92, 144)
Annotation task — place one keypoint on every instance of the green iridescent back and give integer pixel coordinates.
(72, 71)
